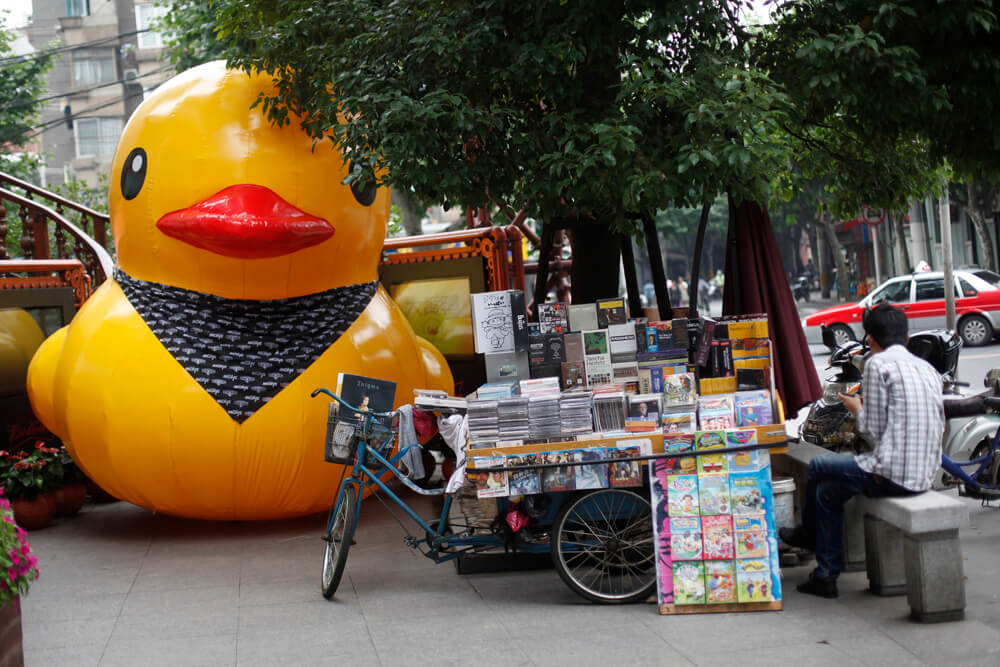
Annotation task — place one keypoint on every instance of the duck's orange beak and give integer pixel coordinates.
(246, 222)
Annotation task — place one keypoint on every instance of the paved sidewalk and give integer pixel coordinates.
(121, 586)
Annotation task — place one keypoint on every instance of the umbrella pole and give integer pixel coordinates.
(631, 282)
(656, 266)
(731, 294)
(696, 260)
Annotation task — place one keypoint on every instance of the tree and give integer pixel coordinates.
(980, 201)
(22, 81)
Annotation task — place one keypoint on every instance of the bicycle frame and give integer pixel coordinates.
(957, 468)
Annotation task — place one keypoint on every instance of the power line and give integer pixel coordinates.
(69, 47)
(78, 91)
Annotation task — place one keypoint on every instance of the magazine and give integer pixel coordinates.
(593, 476)
(746, 496)
(720, 581)
(717, 536)
(751, 535)
(682, 495)
(624, 473)
(523, 482)
(753, 580)
(685, 538)
(490, 484)
(753, 408)
(713, 494)
(562, 478)
(689, 583)
(679, 442)
(716, 412)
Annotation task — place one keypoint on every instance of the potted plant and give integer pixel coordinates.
(29, 479)
(72, 493)
(18, 568)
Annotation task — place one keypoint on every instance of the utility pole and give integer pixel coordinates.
(944, 216)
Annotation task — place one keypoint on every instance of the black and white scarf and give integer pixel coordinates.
(242, 351)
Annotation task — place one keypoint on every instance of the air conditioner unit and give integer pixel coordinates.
(130, 74)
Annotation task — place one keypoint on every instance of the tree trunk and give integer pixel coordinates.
(411, 217)
(980, 211)
(596, 258)
(823, 259)
(904, 250)
(843, 279)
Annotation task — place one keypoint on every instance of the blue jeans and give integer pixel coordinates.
(833, 480)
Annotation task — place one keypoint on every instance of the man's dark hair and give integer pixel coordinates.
(887, 325)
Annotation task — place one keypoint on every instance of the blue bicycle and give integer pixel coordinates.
(984, 482)
(601, 541)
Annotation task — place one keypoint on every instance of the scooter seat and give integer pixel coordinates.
(965, 407)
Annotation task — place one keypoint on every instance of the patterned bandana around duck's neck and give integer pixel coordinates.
(243, 352)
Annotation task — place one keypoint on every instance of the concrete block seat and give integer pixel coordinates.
(911, 543)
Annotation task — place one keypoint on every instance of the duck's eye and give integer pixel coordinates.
(133, 173)
(363, 189)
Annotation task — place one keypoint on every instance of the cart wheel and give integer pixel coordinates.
(602, 546)
(340, 532)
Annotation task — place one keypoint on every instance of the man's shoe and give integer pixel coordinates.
(814, 585)
(796, 537)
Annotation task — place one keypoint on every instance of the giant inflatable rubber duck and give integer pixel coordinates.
(246, 278)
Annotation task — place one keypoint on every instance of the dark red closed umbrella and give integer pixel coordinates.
(756, 283)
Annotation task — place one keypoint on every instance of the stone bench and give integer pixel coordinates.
(910, 543)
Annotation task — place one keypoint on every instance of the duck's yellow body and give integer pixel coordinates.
(136, 421)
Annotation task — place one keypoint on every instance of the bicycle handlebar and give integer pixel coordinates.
(347, 405)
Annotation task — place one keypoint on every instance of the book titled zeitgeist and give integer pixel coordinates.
(364, 393)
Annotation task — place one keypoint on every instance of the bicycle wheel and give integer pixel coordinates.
(339, 533)
(602, 546)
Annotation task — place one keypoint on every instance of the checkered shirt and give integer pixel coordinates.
(904, 413)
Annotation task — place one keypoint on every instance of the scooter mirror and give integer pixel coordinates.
(993, 380)
(829, 338)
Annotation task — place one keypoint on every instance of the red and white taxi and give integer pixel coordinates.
(921, 296)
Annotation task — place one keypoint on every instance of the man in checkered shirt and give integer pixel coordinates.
(903, 412)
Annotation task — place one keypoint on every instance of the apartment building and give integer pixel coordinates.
(108, 61)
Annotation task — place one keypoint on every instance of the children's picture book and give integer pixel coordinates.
(679, 389)
(711, 463)
(716, 411)
(720, 581)
(611, 311)
(591, 476)
(499, 321)
(753, 408)
(490, 484)
(705, 440)
(524, 482)
(661, 531)
(741, 437)
(679, 442)
(624, 473)
(689, 583)
(582, 316)
(364, 393)
(751, 460)
(750, 532)
(745, 491)
(682, 495)
(684, 421)
(713, 494)
(553, 318)
(753, 580)
(717, 536)
(560, 478)
(685, 538)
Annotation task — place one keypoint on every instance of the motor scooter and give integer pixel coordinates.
(800, 290)
(971, 423)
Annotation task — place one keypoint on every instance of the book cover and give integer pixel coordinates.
(685, 538)
(748, 348)
(591, 476)
(716, 411)
(682, 421)
(741, 437)
(638, 425)
(644, 406)
(682, 495)
(749, 379)
(749, 461)
(523, 482)
(750, 532)
(573, 345)
(490, 484)
(624, 473)
(713, 494)
(611, 311)
(621, 338)
(753, 580)
(640, 334)
(499, 321)
(753, 408)
(717, 537)
(679, 328)
(553, 318)
(502, 366)
(597, 358)
(573, 374)
(679, 442)
(626, 373)
(561, 478)
(720, 581)
(706, 334)
(689, 583)
(582, 316)
(746, 496)
(364, 393)
(546, 354)
(661, 532)
(679, 389)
